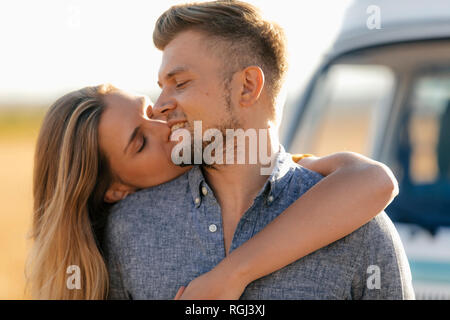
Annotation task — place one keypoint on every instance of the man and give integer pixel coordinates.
(223, 64)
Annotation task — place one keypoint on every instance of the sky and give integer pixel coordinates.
(50, 47)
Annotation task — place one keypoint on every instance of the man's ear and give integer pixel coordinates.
(253, 83)
(116, 192)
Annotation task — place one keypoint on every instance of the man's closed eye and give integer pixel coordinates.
(181, 84)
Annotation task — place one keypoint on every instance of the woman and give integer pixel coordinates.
(78, 176)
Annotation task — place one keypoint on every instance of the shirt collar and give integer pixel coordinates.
(281, 173)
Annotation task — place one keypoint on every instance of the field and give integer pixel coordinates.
(18, 132)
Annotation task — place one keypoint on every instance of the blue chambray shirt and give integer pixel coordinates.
(161, 238)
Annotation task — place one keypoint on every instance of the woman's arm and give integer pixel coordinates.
(355, 190)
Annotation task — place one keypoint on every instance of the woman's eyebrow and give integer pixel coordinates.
(133, 135)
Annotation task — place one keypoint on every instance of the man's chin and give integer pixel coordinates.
(183, 165)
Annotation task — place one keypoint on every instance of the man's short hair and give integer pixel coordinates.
(238, 32)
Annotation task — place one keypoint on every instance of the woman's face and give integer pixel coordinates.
(138, 148)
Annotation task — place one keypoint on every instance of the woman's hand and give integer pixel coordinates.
(308, 162)
(213, 285)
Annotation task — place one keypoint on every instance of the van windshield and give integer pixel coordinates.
(391, 103)
(422, 153)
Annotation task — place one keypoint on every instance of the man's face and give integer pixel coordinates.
(193, 88)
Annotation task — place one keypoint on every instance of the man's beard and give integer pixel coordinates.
(232, 122)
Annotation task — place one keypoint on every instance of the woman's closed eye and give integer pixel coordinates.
(144, 142)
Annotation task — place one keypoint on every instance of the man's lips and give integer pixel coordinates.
(177, 126)
(174, 125)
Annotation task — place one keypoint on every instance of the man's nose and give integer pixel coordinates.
(163, 109)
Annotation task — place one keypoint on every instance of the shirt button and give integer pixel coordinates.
(270, 199)
(213, 228)
(204, 191)
(197, 201)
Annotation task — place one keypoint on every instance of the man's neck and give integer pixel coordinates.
(237, 185)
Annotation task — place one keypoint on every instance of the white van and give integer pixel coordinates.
(384, 91)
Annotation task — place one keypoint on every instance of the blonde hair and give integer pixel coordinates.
(237, 31)
(71, 176)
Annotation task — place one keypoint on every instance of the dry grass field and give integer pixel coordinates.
(18, 132)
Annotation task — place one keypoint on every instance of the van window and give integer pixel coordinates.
(428, 130)
(343, 109)
(423, 155)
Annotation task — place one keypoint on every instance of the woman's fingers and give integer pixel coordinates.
(307, 161)
(179, 293)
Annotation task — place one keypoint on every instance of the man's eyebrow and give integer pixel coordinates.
(173, 73)
(133, 135)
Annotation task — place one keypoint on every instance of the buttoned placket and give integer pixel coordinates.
(210, 222)
(248, 223)
(210, 217)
